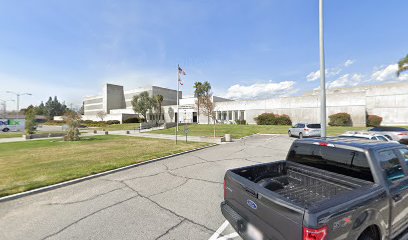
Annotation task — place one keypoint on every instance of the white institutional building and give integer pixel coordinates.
(390, 101)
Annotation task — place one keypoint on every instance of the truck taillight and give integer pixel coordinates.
(402, 134)
(314, 234)
(225, 189)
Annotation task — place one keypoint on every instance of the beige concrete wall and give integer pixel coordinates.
(301, 109)
(390, 102)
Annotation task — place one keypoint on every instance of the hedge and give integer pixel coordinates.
(273, 119)
(240, 122)
(373, 120)
(340, 119)
(132, 120)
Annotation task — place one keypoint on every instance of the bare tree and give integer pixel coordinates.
(207, 107)
(101, 115)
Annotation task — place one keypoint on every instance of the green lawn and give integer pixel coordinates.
(238, 131)
(34, 164)
(10, 134)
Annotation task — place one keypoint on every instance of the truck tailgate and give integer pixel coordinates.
(268, 212)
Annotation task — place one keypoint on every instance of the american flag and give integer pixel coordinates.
(180, 72)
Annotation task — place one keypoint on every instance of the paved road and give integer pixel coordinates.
(177, 198)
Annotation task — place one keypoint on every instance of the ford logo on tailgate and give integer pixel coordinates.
(252, 204)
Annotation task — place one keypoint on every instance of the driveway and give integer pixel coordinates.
(176, 198)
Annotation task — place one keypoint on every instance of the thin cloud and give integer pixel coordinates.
(346, 80)
(349, 62)
(388, 74)
(261, 90)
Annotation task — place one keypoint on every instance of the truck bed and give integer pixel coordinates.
(302, 186)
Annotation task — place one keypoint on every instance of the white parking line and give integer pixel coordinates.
(217, 233)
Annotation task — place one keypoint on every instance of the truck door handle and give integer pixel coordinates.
(396, 197)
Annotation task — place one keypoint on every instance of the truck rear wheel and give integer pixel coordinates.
(5, 129)
(371, 233)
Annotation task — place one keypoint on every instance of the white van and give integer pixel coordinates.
(12, 125)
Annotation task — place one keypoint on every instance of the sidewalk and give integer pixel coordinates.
(159, 136)
(131, 133)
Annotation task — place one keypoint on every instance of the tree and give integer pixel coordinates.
(206, 89)
(30, 125)
(54, 108)
(198, 93)
(72, 119)
(208, 106)
(171, 113)
(158, 104)
(101, 115)
(205, 100)
(402, 65)
(142, 104)
(40, 110)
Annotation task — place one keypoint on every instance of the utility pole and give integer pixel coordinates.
(322, 73)
(18, 98)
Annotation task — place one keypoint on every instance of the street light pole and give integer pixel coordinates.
(18, 98)
(322, 73)
(4, 103)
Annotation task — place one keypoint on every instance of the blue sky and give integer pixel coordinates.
(245, 49)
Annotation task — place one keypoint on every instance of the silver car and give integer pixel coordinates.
(395, 133)
(305, 130)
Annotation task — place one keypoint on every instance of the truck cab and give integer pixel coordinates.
(331, 188)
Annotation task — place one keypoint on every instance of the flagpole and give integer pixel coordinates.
(178, 87)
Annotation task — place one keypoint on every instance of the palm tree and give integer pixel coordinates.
(206, 88)
(159, 101)
(198, 93)
(402, 65)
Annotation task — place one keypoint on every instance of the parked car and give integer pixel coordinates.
(305, 130)
(395, 133)
(333, 188)
(368, 135)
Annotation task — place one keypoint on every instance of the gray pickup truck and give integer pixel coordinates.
(332, 188)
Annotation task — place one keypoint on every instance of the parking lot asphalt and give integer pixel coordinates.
(176, 198)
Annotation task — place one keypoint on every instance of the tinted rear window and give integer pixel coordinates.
(342, 161)
(313, 125)
(391, 129)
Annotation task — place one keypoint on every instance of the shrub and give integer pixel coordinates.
(373, 120)
(273, 119)
(240, 122)
(30, 124)
(340, 119)
(283, 120)
(132, 120)
(110, 122)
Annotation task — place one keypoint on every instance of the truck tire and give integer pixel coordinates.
(300, 135)
(289, 134)
(371, 233)
(366, 236)
(6, 129)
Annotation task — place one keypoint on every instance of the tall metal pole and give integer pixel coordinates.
(178, 84)
(322, 73)
(18, 102)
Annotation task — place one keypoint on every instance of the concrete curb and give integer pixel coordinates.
(78, 180)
